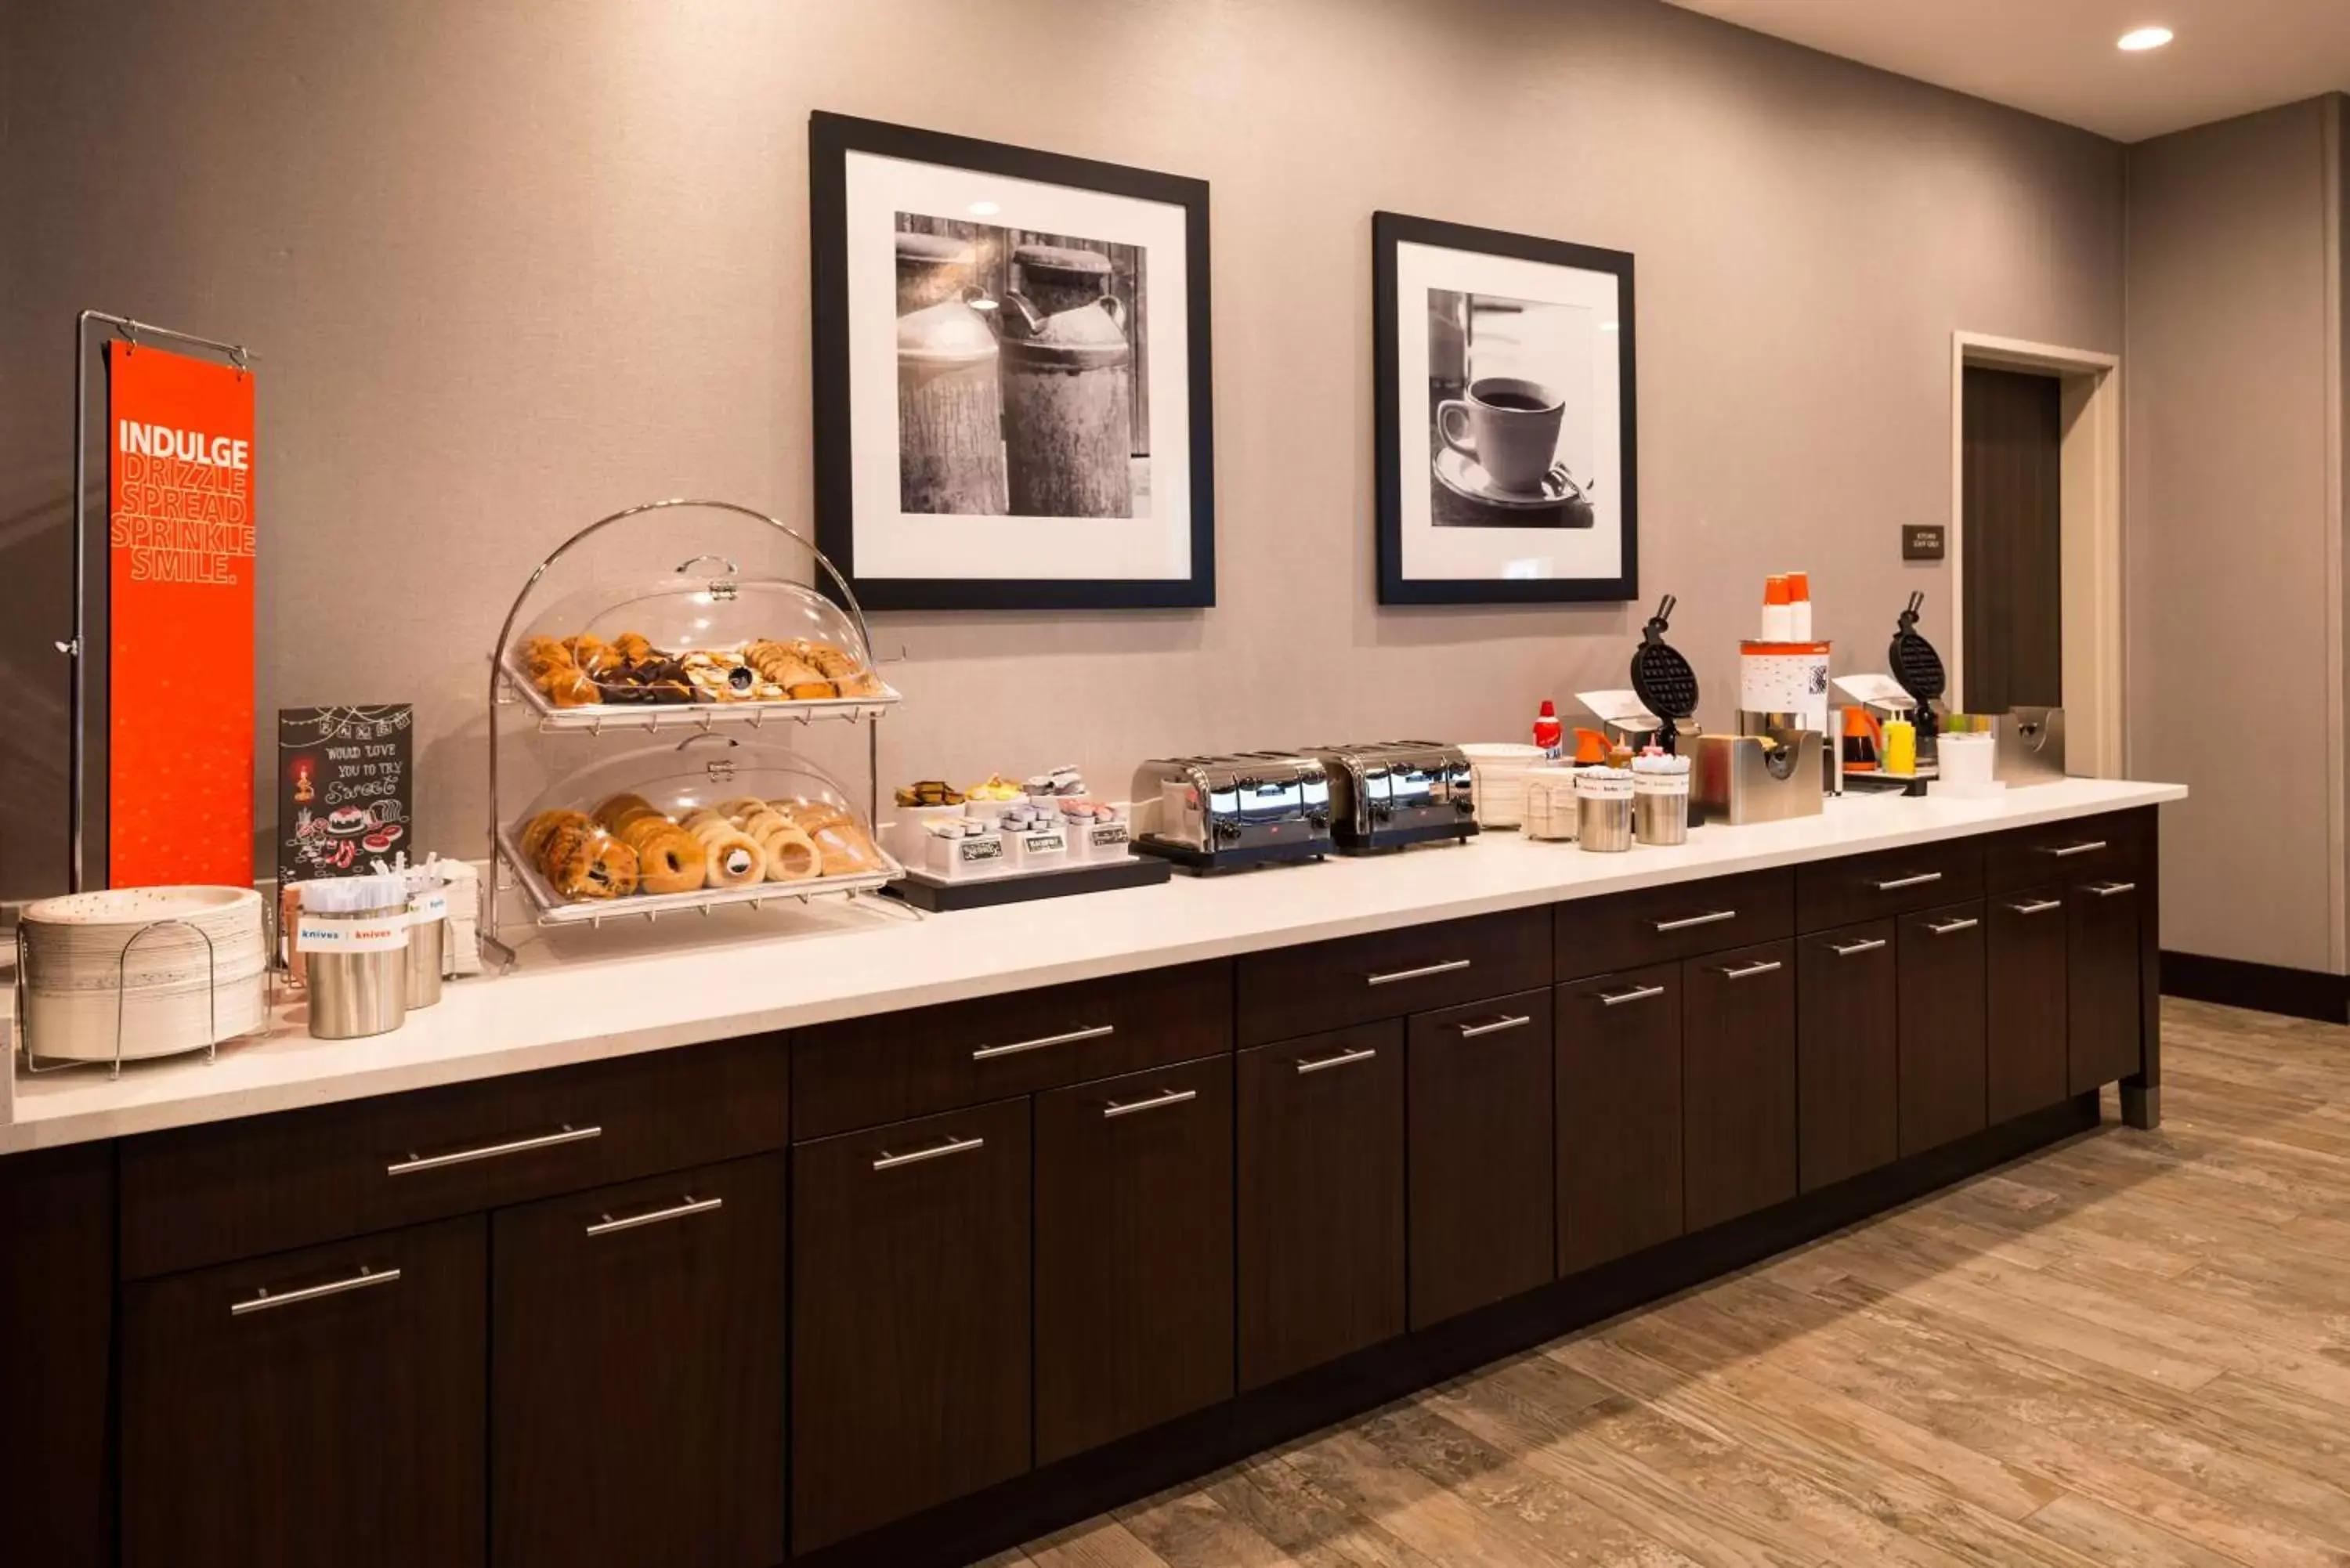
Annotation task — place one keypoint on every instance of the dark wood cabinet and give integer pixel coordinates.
(2103, 991)
(317, 1406)
(57, 1343)
(1945, 1057)
(637, 1374)
(1291, 992)
(1621, 931)
(1321, 1207)
(1134, 1254)
(1848, 1059)
(1739, 1088)
(1617, 1076)
(910, 1317)
(1481, 1141)
(2024, 996)
(1849, 889)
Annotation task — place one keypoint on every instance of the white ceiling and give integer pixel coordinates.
(2057, 59)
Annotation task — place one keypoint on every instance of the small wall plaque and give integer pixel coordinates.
(1923, 541)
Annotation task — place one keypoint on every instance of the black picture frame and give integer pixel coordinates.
(831, 139)
(1391, 230)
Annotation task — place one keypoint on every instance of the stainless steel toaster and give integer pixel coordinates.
(1390, 794)
(1221, 814)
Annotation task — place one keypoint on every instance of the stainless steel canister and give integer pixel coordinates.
(361, 988)
(427, 947)
(1661, 801)
(1603, 809)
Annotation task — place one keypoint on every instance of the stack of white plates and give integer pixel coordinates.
(88, 970)
(1497, 777)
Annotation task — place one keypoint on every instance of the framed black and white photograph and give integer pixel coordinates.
(1012, 384)
(1506, 415)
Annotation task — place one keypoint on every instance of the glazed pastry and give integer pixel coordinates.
(669, 858)
(543, 826)
(930, 792)
(569, 687)
(831, 662)
(616, 812)
(735, 859)
(594, 655)
(792, 855)
(587, 863)
(539, 647)
(633, 648)
(848, 852)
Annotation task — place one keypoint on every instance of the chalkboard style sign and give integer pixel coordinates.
(343, 795)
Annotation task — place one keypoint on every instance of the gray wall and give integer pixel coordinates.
(2233, 363)
(512, 266)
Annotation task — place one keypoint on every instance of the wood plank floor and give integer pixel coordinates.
(2131, 1349)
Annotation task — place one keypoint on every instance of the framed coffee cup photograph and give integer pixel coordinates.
(1506, 411)
(1011, 385)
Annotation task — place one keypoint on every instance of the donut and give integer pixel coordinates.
(669, 858)
(848, 852)
(543, 826)
(792, 855)
(735, 859)
(585, 864)
(616, 812)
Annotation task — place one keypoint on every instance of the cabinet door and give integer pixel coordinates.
(1847, 1063)
(1481, 1138)
(2025, 996)
(1320, 1199)
(1738, 1050)
(1945, 1049)
(317, 1406)
(2102, 980)
(910, 1318)
(1618, 1086)
(56, 1349)
(1134, 1254)
(636, 1374)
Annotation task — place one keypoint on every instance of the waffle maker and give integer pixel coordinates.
(1662, 679)
(1919, 670)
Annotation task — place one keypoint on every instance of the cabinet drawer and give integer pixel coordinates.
(863, 1072)
(236, 1189)
(1293, 991)
(1658, 925)
(2086, 847)
(1832, 893)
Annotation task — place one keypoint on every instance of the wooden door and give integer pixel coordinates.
(1945, 1059)
(636, 1374)
(1738, 1049)
(910, 1317)
(319, 1406)
(2026, 1000)
(2011, 510)
(1320, 1199)
(1848, 1060)
(1481, 1138)
(1618, 1086)
(2103, 992)
(1134, 1254)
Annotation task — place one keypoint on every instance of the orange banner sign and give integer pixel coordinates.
(180, 537)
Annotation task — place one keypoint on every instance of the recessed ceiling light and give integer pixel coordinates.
(989, 209)
(2139, 40)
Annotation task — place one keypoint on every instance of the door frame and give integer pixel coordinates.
(2089, 412)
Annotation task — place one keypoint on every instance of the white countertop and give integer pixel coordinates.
(580, 996)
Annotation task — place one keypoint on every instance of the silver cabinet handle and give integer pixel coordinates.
(1091, 1032)
(1748, 971)
(1919, 880)
(2066, 851)
(265, 1299)
(1422, 973)
(416, 1162)
(2108, 889)
(1342, 1059)
(1953, 928)
(1710, 918)
(1163, 1098)
(2037, 907)
(1854, 949)
(1637, 994)
(692, 1205)
(1496, 1025)
(936, 1151)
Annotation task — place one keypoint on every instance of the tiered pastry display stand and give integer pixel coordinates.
(706, 750)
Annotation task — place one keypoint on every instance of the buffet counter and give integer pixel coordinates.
(580, 996)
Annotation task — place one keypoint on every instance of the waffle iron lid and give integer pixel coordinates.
(1662, 678)
(1914, 662)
